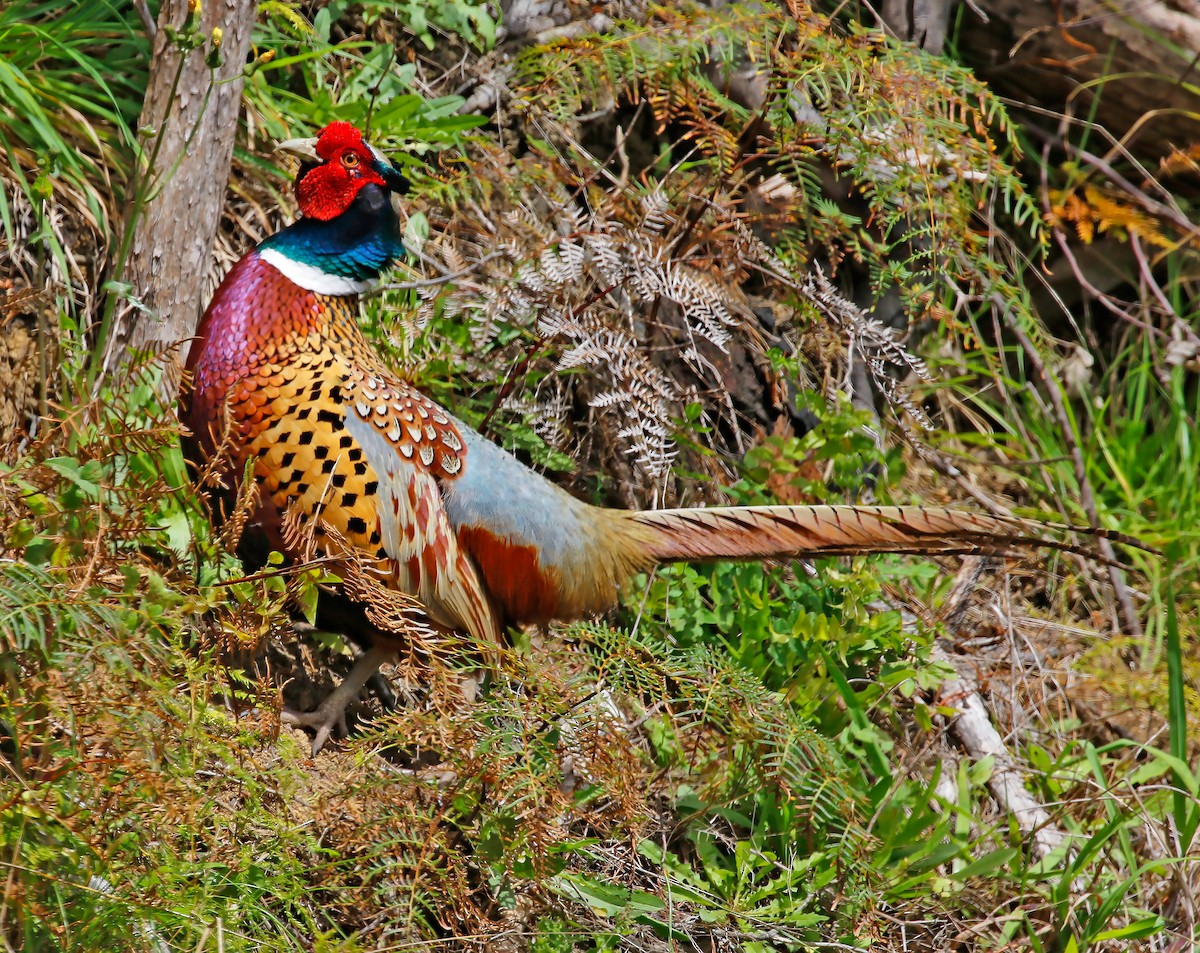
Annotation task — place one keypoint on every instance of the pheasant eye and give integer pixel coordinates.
(350, 160)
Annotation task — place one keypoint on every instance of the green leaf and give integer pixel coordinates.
(416, 232)
(993, 860)
(84, 476)
(606, 898)
(178, 528)
(305, 597)
(1145, 927)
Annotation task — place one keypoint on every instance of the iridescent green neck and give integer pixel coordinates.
(345, 255)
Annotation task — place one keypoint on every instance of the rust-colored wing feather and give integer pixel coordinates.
(411, 444)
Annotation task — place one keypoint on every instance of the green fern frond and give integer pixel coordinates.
(40, 613)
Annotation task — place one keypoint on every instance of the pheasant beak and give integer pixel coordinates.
(304, 148)
(391, 175)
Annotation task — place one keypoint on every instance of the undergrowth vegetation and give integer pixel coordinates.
(730, 255)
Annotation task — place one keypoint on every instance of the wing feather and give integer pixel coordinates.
(410, 443)
(359, 452)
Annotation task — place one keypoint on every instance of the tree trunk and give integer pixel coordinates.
(922, 22)
(196, 120)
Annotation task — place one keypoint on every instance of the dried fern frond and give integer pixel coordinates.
(587, 280)
(1094, 211)
(643, 290)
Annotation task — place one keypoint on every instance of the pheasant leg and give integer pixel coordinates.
(330, 716)
(383, 691)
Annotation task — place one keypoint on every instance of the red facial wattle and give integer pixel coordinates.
(327, 191)
(347, 164)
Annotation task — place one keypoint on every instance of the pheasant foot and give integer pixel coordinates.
(330, 715)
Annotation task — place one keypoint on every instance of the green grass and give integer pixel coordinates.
(1135, 427)
(72, 78)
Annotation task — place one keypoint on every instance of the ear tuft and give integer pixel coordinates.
(337, 136)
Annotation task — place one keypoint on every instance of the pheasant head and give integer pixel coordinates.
(348, 232)
(338, 165)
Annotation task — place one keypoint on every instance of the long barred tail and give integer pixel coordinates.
(763, 532)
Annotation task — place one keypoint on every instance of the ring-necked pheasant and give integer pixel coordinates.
(281, 373)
